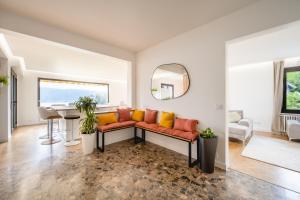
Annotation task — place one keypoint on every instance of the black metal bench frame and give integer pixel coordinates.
(142, 140)
(190, 162)
(103, 136)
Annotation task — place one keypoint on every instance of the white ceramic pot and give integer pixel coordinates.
(88, 143)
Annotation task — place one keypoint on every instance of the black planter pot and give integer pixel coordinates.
(208, 148)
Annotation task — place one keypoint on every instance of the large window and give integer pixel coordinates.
(291, 93)
(52, 91)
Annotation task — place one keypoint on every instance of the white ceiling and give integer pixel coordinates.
(45, 56)
(130, 24)
(274, 44)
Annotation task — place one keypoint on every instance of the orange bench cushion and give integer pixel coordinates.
(186, 135)
(117, 125)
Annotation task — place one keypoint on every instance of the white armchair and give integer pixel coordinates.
(239, 127)
(293, 129)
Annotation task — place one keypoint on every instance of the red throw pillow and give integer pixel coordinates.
(150, 116)
(124, 114)
(179, 124)
(189, 125)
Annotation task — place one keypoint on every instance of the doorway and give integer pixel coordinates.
(254, 147)
(13, 87)
(167, 91)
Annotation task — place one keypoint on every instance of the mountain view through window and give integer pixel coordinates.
(53, 92)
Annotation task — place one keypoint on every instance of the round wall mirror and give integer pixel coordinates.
(169, 81)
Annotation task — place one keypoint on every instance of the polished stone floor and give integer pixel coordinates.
(29, 170)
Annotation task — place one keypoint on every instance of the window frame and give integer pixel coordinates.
(284, 108)
(168, 85)
(53, 79)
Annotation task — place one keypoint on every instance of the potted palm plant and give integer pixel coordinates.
(208, 145)
(87, 106)
(3, 81)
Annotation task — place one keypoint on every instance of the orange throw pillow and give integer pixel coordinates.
(150, 116)
(138, 115)
(167, 119)
(188, 125)
(124, 114)
(108, 118)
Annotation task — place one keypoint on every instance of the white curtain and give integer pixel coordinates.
(278, 95)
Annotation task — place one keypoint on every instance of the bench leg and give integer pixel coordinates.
(98, 147)
(198, 151)
(103, 142)
(197, 161)
(135, 139)
(190, 154)
(138, 139)
(97, 138)
(144, 136)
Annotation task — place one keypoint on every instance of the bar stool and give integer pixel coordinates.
(58, 121)
(45, 112)
(49, 115)
(72, 142)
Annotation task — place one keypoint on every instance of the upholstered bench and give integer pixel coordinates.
(179, 134)
(122, 119)
(185, 136)
(184, 129)
(109, 128)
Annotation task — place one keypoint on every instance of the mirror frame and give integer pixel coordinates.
(174, 97)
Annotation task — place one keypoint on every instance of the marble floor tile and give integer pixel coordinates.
(29, 170)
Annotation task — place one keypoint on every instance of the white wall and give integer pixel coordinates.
(202, 51)
(5, 127)
(24, 25)
(46, 59)
(28, 93)
(250, 88)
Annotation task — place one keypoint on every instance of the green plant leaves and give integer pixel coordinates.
(208, 133)
(87, 105)
(4, 80)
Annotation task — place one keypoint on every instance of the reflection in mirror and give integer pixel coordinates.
(169, 81)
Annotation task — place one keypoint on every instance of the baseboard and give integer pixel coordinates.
(262, 130)
(220, 164)
(2, 140)
(31, 124)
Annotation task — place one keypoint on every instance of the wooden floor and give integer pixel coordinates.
(279, 176)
